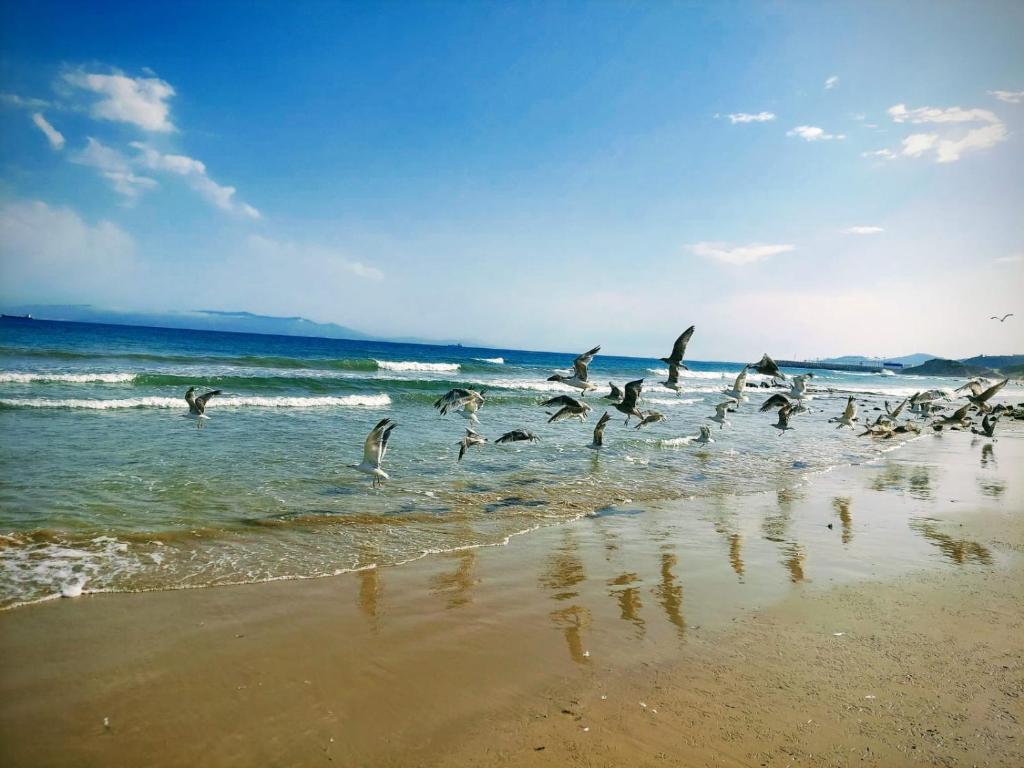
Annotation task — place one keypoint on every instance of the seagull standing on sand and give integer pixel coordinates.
(197, 405)
(736, 393)
(629, 400)
(471, 439)
(568, 408)
(675, 360)
(599, 431)
(849, 414)
(721, 410)
(767, 367)
(579, 372)
(374, 448)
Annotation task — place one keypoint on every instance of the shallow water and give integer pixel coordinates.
(105, 486)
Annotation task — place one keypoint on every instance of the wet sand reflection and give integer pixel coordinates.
(915, 480)
(563, 573)
(670, 593)
(628, 598)
(369, 597)
(458, 584)
(842, 507)
(959, 551)
(988, 456)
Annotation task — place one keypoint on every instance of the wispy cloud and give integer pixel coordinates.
(831, 82)
(813, 133)
(311, 261)
(115, 168)
(1010, 97)
(745, 117)
(738, 254)
(860, 230)
(900, 114)
(1013, 258)
(22, 102)
(885, 154)
(194, 172)
(140, 101)
(55, 137)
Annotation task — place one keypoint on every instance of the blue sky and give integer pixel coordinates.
(803, 178)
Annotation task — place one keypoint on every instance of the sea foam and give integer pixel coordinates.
(402, 365)
(16, 377)
(364, 401)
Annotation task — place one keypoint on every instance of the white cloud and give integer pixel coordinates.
(919, 143)
(1013, 258)
(862, 230)
(900, 114)
(55, 137)
(744, 117)
(885, 154)
(141, 101)
(21, 102)
(831, 82)
(1010, 97)
(311, 262)
(949, 150)
(114, 167)
(813, 133)
(194, 171)
(51, 254)
(740, 254)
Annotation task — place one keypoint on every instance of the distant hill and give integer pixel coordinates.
(940, 367)
(214, 320)
(996, 361)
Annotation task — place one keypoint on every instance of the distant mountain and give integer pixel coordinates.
(214, 320)
(996, 361)
(940, 367)
(915, 359)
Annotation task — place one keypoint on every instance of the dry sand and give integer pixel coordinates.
(738, 631)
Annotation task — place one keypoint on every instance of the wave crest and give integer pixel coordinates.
(350, 401)
(404, 365)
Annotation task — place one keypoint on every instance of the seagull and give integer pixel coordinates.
(720, 412)
(798, 389)
(517, 436)
(628, 404)
(471, 438)
(1003, 318)
(650, 417)
(767, 367)
(675, 360)
(616, 393)
(464, 401)
(705, 435)
(736, 393)
(976, 385)
(988, 426)
(783, 423)
(374, 448)
(981, 400)
(894, 413)
(579, 375)
(778, 400)
(563, 400)
(957, 420)
(599, 431)
(879, 429)
(197, 405)
(570, 411)
(849, 415)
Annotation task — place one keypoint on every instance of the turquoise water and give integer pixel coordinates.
(105, 486)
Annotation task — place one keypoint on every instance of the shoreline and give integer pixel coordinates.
(484, 655)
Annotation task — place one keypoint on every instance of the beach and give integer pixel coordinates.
(870, 615)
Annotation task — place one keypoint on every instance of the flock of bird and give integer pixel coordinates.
(626, 400)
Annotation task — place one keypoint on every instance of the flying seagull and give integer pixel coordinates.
(629, 400)
(778, 400)
(650, 417)
(197, 405)
(471, 438)
(1003, 318)
(615, 395)
(517, 436)
(675, 360)
(798, 387)
(849, 414)
(976, 385)
(568, 407)
(785, 412)
(981, 399)
(466, 402)
(599, 430)
(579, 372)
(988, 426)
(767, 367)
(736, 393)
(721, 410)
(957, 420)
(374, 448)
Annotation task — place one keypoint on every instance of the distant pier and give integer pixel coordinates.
(829, 366)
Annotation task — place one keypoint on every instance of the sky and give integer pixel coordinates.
(802, 178)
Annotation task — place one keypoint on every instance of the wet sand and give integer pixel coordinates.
(734, 631)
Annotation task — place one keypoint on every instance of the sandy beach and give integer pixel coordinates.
(871, 616)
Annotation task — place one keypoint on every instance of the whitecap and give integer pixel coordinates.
(401, 365)
(364, 401)
(17, 377)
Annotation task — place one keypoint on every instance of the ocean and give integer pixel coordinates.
(105, 486)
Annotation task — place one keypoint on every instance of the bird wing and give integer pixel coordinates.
(580, 363)
(376, 442)
(510, 437)
(992, 390)
(201, 400)
(616, 392)
(777, 400)
(741, 380)
(960, 413)
(632, 393)
(679, 348)
(562, 400)
(898, 410)
(453, 398)
(599, 429)
(722, 408)
(190, 398)
(851, 408)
